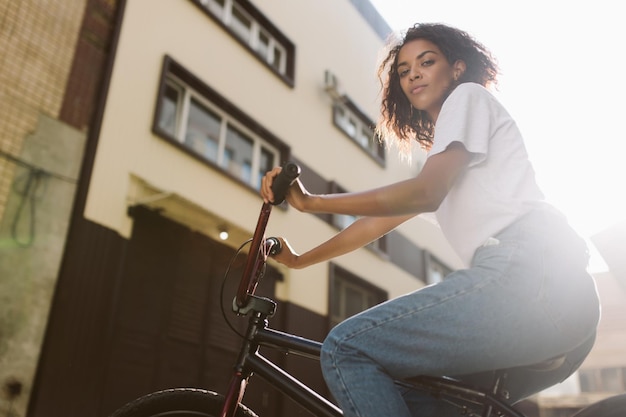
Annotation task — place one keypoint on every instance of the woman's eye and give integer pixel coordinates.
(428, 63)
(403, 73)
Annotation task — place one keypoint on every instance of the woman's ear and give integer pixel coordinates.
(459, 69)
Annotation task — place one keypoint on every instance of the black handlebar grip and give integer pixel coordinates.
(283, 180)
(276, 246)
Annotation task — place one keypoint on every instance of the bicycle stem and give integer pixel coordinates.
(248, 280)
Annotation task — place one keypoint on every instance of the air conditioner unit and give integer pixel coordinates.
(330, 81)
(331, 85)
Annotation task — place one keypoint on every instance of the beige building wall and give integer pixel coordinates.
(133, 165)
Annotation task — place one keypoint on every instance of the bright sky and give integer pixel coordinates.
(563, 70)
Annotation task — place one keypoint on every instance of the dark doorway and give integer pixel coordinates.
(168, 328)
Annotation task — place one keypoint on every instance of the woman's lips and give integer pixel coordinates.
(417, 89)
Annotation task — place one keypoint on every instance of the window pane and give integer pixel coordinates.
(277, 59)
(264, 45)
(265, 164)
(203, 131)
(345, 122)
(237, 158)
(343, 220)
(434, 276)
(241, 24)
(350, 127)
(612, 380)
(348, 296)
(586, 380)
(335, 301)
(341, 119)
(354, 302)
(363, 137)
(436, 271)
(169, 109)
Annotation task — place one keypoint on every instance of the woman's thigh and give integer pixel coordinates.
(486, 317)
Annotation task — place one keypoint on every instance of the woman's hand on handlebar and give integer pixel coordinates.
(297, 195)
(287, 256)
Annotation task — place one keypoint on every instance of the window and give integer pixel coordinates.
(197, 119)
(350, 295)
(354, 124)
(436, 270)
(256, 32)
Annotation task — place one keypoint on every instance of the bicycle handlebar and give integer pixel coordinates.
(282, 182)
(260, 248)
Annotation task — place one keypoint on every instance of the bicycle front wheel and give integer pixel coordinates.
(610, 407)
(179, 402)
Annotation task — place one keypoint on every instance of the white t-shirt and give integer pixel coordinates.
(499, 185)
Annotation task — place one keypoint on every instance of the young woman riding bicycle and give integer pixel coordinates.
(525, 295)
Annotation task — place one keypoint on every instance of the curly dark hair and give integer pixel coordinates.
(399, 120)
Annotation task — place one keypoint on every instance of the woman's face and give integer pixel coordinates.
(426, 76)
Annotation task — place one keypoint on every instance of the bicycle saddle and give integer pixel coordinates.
(523, 381)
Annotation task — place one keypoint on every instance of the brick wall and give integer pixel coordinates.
(37, 44)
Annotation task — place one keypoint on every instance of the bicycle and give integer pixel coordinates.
(186, 402)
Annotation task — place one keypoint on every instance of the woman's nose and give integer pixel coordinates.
(414, 75)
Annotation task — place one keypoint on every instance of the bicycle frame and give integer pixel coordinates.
(250, 361)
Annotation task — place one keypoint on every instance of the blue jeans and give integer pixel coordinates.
(527, 297)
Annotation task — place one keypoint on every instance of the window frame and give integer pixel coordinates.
(260, 24)
(231, 118)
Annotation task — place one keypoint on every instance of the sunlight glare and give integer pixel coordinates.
(561, 80)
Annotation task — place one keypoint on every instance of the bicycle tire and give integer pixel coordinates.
(609, 407)
(179, 402)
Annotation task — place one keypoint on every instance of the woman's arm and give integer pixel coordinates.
(421, 194)
(384, 208)
(355, 236)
